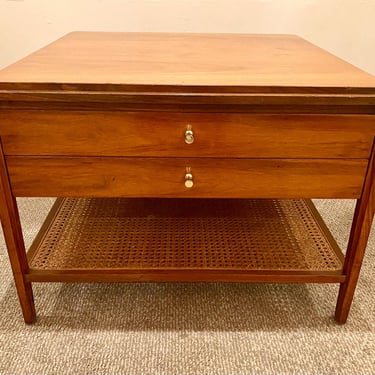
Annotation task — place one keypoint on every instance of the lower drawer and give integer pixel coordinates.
(165, 177)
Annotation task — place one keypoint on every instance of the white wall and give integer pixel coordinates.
(344, 27)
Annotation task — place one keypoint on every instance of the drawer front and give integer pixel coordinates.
(165, 177)
(163, 134)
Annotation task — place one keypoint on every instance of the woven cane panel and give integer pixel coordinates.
(188, 233)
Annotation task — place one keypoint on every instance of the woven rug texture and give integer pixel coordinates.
(182, 328)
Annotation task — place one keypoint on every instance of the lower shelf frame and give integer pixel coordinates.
(150, 210)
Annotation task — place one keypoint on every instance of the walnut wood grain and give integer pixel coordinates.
(99, 133)
(164, 177)
(180, 275)
(183, 60)
(166, 71)
(12, 230)
(302, 102)
(360, 231)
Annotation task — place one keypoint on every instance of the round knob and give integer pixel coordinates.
(189, 136)
(189, 180)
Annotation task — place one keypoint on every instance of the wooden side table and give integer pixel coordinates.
(185, 157)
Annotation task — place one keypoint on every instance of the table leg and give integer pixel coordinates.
(14, 240)
(359, 234)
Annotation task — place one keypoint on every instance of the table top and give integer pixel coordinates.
(178, 62)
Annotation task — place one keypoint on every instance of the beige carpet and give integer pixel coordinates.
(188, 328)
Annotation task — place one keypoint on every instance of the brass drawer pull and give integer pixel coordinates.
(189, 135)
(188, 179)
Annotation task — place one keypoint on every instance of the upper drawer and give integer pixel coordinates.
(99, 133)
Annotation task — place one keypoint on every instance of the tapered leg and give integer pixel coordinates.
(360, 231)
(14, 240)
